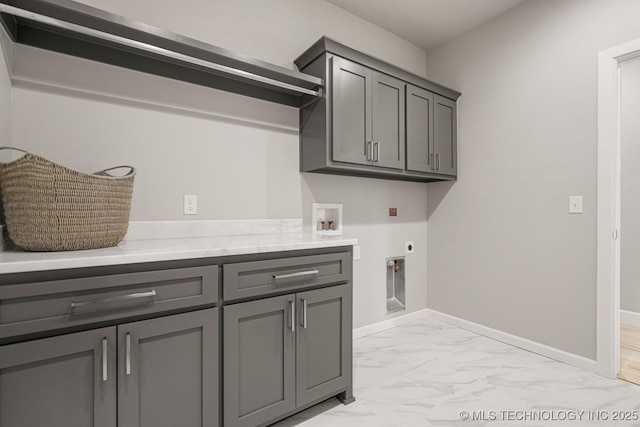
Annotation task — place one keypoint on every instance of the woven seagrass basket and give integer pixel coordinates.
(48, 207)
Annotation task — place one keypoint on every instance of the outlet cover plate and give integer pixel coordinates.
(409, 247)
(190, 204)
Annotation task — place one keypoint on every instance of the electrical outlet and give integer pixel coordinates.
(190, 204)
(409, 247)
(356, 252)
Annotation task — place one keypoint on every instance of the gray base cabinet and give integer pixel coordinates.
(375, 119)
(139, 345)
(69, 380)
(284, 353)
(159, 371)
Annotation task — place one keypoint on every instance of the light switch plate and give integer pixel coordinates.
(575, 204)
(356, 252)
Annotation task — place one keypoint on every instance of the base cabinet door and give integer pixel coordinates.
(323, 343)
(259, 361)
(168, 371)
(68, 380)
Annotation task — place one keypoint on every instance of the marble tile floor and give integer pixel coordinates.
(426, 373)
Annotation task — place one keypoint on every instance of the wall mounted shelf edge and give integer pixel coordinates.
(72, 28)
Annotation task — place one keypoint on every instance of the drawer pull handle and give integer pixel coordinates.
(104, 360)
(95, 302)
(127, 361)
(299, 274)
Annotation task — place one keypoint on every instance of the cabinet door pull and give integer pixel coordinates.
(292, 308)
(376, 152)
(438, 161)
(369, 150)
(304, 313)
(298, 274)
(105, 374)
(127, 358)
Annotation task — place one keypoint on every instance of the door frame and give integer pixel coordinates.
(608, 222)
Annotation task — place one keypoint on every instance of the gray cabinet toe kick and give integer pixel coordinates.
(163, 344)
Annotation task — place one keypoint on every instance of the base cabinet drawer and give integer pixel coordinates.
(154, 373)
(285, 352)
(259, 278)
(42, 306)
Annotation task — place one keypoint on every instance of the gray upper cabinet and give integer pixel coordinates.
(68, 380)
(168, 371)
(375, 119)
(445, 136)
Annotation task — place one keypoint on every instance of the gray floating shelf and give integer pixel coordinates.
(76, 29)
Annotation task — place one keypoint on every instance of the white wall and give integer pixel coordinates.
(630, 186)
(6, 115)
(503, 250)
(239, 155)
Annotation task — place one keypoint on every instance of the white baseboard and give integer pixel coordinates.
(363, 331)
(523, 343)
(630, 318)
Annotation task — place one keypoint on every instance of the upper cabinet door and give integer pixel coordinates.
(445, 136)
(420, 156)
(388, 121)
(351, 111)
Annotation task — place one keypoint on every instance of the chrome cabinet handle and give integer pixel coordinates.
(292, 308)
(304, 313)
(127, 361)
(299, 274)
(105, 374)
(369, 150)
(94, 303)
(438, 161)
(376, 152)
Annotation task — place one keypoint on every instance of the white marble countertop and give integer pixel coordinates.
(136, 251)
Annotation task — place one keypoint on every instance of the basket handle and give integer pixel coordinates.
(132, 171)
(14, 148)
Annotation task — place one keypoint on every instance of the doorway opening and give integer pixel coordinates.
(609, 198)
